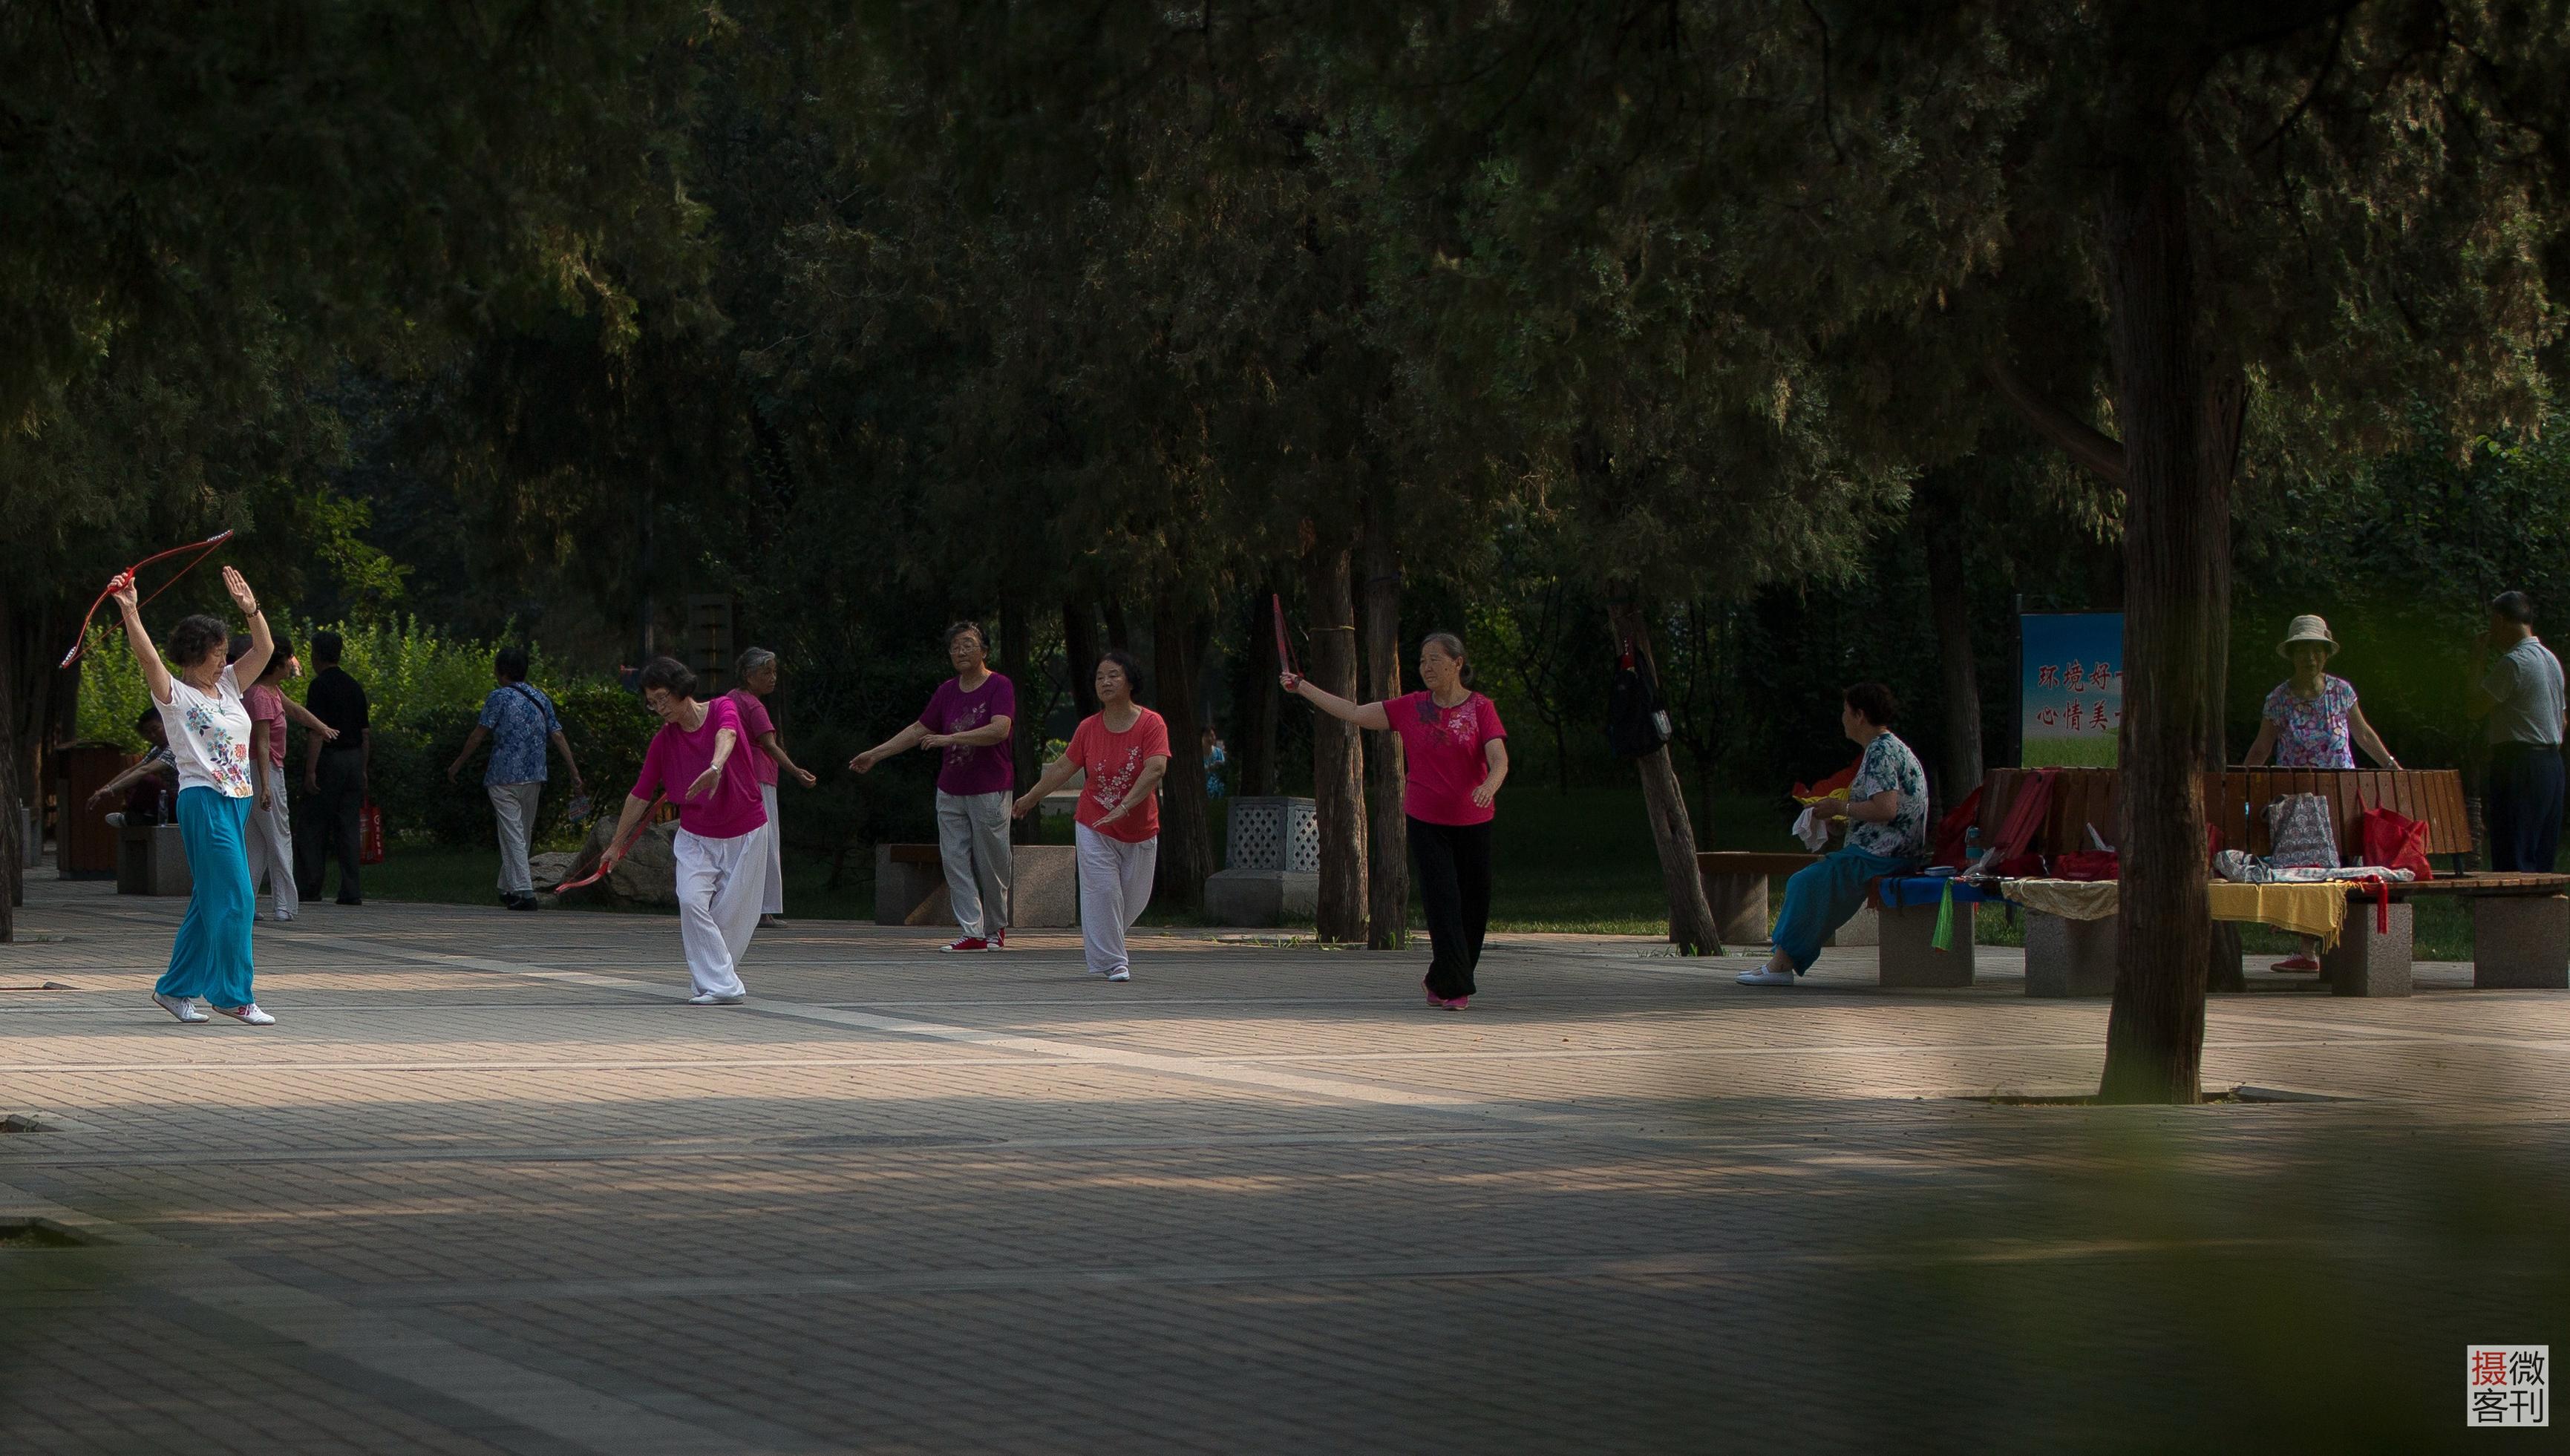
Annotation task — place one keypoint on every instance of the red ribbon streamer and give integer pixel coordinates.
(615, 852)
(202, 548)
(1284, 648)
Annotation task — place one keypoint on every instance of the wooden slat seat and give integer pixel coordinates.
(914, 853)
(2235, 804)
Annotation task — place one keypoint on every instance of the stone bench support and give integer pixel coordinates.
(2521, 942)
(1909, 957)
(2368, 962)
(2066, 957)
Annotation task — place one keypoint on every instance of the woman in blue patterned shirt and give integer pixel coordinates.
(1887, 834)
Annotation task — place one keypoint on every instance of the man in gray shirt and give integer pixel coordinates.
(2519, 691)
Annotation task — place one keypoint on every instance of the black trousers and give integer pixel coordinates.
(2522, 812)
(329, 829)
(1453, 865)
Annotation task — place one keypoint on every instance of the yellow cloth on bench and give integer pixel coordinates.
(2305, 909)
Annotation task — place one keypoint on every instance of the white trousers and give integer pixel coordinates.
(1115, 887)
(773, 903)
(271, 849)
(720, 883)
(513, 808)
(973, 844)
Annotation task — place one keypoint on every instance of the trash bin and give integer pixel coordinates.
(84, 842)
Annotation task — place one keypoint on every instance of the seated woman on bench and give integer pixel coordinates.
(1886, 814)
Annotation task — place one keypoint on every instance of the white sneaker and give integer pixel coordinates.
(1120, 976)
(115, 820)
(1766, 976)
(249, 1015)
(179, 1007)
(715, 998)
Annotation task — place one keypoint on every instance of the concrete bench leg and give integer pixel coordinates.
(2368, 962)
(2522, 942)
(1909, 955)
(2065, 958)
(900, 886)
(1864, 929)
(1739, 908)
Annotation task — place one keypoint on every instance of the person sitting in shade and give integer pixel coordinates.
(2311, 722)
(1886, 814)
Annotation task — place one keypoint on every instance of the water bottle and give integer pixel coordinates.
(1972, 846)
(169, 809)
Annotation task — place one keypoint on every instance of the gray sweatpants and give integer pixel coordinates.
(972, 842)
(513, 807)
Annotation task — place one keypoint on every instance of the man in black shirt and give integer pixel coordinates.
(334, 776)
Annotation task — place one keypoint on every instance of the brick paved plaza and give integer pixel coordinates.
(487, 1186)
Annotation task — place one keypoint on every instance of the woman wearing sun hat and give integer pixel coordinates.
(2311, 722)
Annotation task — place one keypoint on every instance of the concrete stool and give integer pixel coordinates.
(1909, 956)
(1735, 886)
(2066, 957)
(1865, 928)
(2368, 962)
(1044, 887)
(152, 859)
(2522, 942)
(905, 875)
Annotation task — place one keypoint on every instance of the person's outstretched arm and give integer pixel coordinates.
(775, 749)
(1495, 754)
(1145, 784)
(303, 715)
(156, 673)
(1364, 716)
(563, 746)
(1049, 782)
(865, 762)
(634, 809)
(2260, 746)
(262, 644)
(2368, 740)
(472, 741)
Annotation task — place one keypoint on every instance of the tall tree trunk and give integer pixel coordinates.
(1253, 700)
(13, 856)
(1387, 825)
(2176, 522)
(1186, 845)
(1026, 735)
(1118, 635)
(1080, 652)
(2226, 412)
(1691, 925)
(1939, 512)
(1338, 758)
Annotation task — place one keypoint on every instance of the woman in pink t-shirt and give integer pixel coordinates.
(756, 669)
(722, 843)
(1456, 756)
(1123, 750)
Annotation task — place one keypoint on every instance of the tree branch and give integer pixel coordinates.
(2101, 454)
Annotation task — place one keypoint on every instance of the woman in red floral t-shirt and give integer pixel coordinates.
(1456, 756)
(1123, 752)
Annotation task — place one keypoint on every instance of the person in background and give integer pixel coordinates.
(520, 720)
(271, 826)
(2312, 721)
(334, 776)
(146, 782)
(1887, 834)
(200, 699)
(2516, 686)
(757, 670)
(1457, 755)
(1214, 759)
(721, 862)
(1122, 751)
(968, 720)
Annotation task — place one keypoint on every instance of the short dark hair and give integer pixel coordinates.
(2517, 606)
(668, 674)
(144, 720)
(510, 663)
(194, 639)
(959, 628)
(1873, 702)
(325, 647)
(278, 650)
(1126, 663)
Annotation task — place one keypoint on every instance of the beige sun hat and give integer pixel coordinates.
(2305, 628)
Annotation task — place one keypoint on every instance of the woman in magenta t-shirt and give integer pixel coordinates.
(1123, 750)
(1457, 756)
(722, 843)
(756, 669)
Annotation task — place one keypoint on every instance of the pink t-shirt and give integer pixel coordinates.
(754, 725)
(679, 757)
(1441, 754)
(984, 769)
(1109, 763)
(266, 705)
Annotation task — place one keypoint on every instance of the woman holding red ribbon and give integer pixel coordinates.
(200, 699)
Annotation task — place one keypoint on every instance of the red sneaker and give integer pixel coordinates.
(998, 940)
(2295, 964)
(969, 942)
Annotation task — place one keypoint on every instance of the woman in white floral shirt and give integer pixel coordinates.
(1886, 816)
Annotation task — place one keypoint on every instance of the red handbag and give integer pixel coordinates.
(2395, 842)
(371, 835)
(2085, 865)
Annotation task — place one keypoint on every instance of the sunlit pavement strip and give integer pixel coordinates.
(489, 1186)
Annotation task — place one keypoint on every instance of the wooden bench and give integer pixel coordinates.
(1044, 889)
(2520, 922)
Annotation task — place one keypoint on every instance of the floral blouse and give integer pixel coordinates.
(1888, 764)
(2311, 733)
